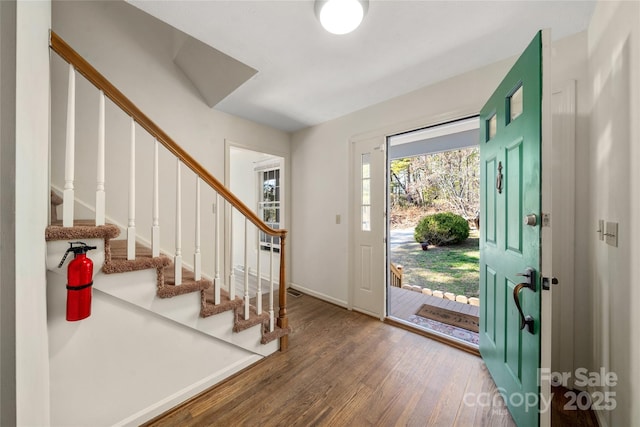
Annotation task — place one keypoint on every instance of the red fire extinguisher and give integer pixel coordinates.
(79, 281)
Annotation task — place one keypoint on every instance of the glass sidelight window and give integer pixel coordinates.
(366, 192)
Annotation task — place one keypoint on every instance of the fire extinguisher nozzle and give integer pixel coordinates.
(82, 249)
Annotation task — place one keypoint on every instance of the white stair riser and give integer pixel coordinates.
(138, 288)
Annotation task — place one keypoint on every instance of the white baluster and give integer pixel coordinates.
(155, 225)
(196, 256)
(100, 196)
(70, 148)
(259, 278)
(232, 274)
(246, 268)
(177, 259)
(216, 281)
(131, 228)
(271, 313)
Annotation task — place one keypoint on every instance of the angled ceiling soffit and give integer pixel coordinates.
(214, 74)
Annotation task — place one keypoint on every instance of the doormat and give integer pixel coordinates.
(452, 331)
(450, 317)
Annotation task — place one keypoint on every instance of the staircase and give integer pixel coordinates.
(128, 263)
(116, 262)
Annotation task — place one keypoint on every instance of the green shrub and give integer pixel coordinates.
(442, 229)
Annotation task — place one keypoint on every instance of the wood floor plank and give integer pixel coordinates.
(346, 368)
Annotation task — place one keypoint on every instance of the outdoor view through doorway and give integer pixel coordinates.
(434, 205)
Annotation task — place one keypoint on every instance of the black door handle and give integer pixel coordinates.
(524, 320)
(530, 283)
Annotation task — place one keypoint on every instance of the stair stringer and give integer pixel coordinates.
(139, 288)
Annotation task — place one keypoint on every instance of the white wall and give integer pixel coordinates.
(7, 220)
(242, 181)
(135, 51)
(33, 21)
(614, 70)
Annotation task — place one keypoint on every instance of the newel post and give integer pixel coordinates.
(283, 320)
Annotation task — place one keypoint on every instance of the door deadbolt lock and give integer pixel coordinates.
(531, 220)
(547, 280)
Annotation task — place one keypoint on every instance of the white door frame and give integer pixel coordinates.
(285, 191)
(564, 132)
(546, 259)
(383, 135)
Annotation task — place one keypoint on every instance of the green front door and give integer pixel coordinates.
(510, 153)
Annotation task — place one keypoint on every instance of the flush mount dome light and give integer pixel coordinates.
(341, 16)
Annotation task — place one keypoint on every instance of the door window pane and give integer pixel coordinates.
(492, 126)
(366, 163)
(366, 218)
(365, 192)
(515, 104)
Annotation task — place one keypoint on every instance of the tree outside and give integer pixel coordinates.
(422, 185)
(442, 182)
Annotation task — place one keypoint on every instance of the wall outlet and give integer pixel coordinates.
(611, 234)
(338, 219)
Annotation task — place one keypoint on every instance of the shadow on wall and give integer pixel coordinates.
(611, 166)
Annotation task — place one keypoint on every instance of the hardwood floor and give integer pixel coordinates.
(563, 416)
(344, 368)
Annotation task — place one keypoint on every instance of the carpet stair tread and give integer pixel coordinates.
(116, 258)
(167, 287)
(241, 323)
(82, 229)
(208, 307)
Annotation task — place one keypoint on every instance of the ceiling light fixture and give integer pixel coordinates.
(341, 16)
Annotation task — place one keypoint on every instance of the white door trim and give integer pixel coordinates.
(564, 149)
(546, 258)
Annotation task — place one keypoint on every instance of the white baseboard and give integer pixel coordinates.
(187, 393)
(318, 295)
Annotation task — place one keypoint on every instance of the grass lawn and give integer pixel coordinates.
(453, 268)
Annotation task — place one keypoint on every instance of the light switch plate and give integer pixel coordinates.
(611, 234)
(601, 229)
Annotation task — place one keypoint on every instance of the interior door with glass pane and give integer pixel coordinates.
(368, 227)
(510, 234)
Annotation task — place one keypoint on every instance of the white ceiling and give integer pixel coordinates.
(307, 76)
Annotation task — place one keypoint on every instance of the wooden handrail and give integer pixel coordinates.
(67, 53)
